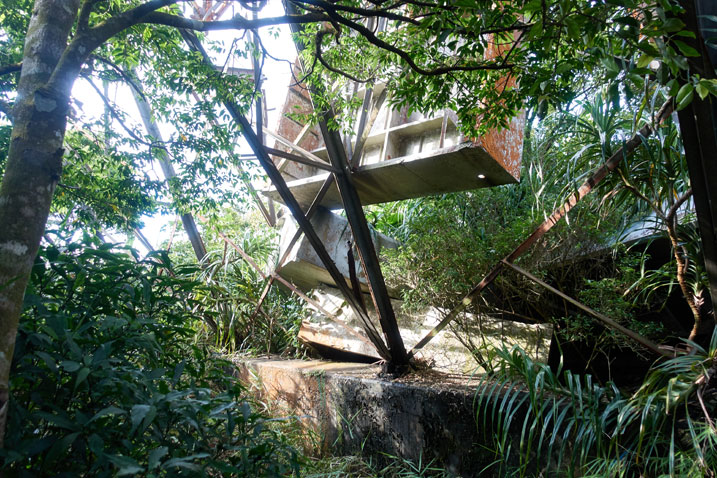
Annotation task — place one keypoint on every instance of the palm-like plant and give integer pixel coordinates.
(651, 189)
(544, 422)
(232, 289)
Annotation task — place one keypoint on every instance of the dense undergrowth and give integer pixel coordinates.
(107, 379)
(626, 250)
(112, 377)
(542, 422)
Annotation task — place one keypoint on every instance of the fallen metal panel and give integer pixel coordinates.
(328, 336)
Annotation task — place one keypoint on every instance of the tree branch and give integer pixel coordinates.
(675, 207)
(6, 109)
(84, 17)
(319, 40)
(12, 68)
(117, 116)
(127, 77)
(385, 13)
(405, 56)
(236, 23)
(84, 43)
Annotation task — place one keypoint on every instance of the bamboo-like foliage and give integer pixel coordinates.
(543, 422)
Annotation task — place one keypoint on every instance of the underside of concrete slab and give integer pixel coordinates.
(303, 266)
(456, 168)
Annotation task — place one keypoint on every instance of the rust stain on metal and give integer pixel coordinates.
(506, 145)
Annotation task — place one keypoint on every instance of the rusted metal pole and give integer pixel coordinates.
(359, 229)
(607, 321)
(365, 125)
(300, 159)
(558, 214)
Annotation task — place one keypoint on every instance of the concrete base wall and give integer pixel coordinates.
(353, 412)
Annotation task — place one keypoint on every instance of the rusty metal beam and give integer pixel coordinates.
(365, 125)
(360, 231)
(300, 159)
(555, 217)
(607, 321)
(294, 146)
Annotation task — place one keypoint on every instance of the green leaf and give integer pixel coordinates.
(156, 455)
(59, 419)
(710, 85)
(125, 465)
(686, 49)
(82, 375)
(684, 96)
(644, 60)
(672, 87)
(702, 91)
(70, 365)
(96, 444)
(137, 414)
(185, 462)
(48, 359)
(62, 446)
(672, 25)
(111, 410)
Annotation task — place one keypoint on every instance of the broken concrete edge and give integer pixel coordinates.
(447, 353)
(303, 266)
(349, 410)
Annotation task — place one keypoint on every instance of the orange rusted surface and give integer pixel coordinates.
(506, 145)
(297, 102)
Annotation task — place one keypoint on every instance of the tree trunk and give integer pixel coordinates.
(698, 126)
(162, 156)
(33, 168)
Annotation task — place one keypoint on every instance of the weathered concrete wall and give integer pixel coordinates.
(354, 412)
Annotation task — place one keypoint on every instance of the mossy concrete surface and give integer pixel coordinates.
(425, 416)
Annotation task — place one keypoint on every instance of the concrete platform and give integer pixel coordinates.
(424, 417)
(461, 167)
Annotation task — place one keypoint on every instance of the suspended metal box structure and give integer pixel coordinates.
(406, 155)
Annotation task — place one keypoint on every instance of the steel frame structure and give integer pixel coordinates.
(390, 347)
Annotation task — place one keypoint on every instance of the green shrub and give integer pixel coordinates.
(233, 288)
(616, 297)
(106, 381)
